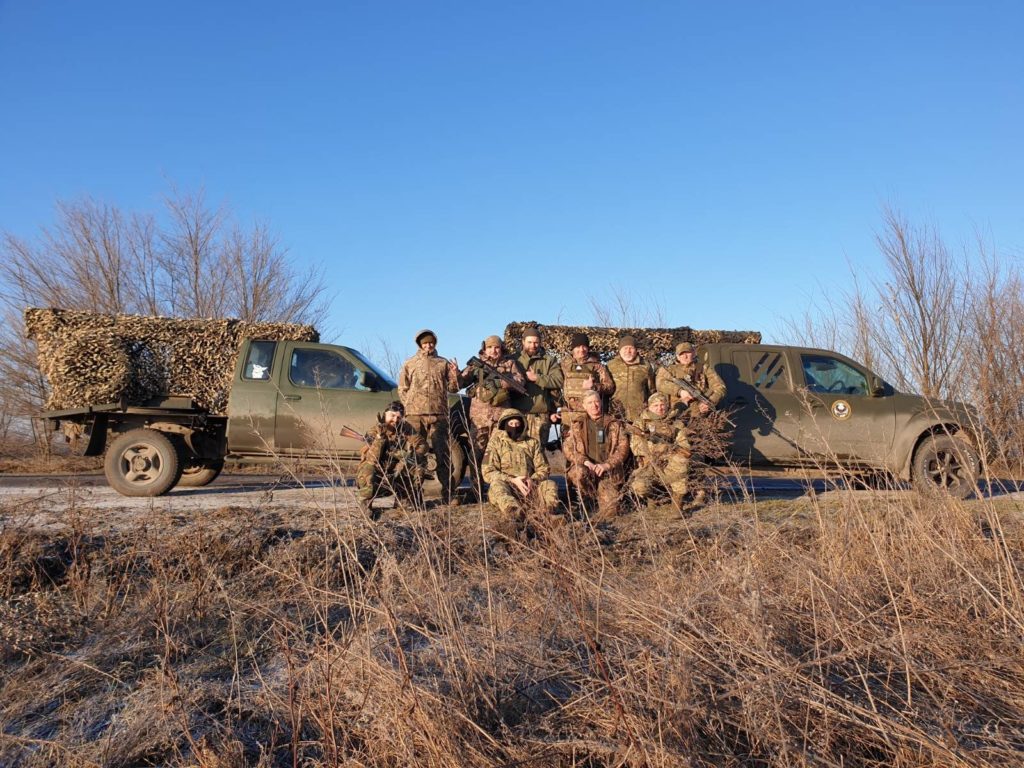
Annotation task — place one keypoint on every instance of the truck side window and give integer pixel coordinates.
(322, 368)
(259, 360)
(828, 375)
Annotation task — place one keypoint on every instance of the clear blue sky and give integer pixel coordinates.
(460, 165)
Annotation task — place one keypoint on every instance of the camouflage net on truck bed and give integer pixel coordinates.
(653, 343)
(90, 358)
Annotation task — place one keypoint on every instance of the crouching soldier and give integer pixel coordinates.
(596, 450)
(393, 459)
(662, 452)
(516, 469)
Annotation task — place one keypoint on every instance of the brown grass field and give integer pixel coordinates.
(868, 628)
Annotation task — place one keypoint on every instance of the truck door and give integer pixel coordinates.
(252, 404)
(841, 419)
(322, 388)
(760, 394)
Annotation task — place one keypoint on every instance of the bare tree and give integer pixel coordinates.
(621, 310)
(190, 260)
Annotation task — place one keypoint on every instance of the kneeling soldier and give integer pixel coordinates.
(516, 469)
(392, 460)
(663, 453)
(596, 450)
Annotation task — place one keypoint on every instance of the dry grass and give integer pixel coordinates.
(841, 629)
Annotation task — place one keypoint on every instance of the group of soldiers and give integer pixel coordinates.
(624, 425)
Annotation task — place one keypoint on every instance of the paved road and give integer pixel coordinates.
(234, 485)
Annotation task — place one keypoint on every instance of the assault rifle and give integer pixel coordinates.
(353, 434)
(492, 373)
(692, 390)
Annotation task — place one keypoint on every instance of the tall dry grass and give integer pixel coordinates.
(867, 628)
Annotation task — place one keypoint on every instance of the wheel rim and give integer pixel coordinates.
(946, 469)
(141, 464)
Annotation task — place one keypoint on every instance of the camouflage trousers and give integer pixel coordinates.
(436, 432)
(669, 474)
(607, 490)
(506, 497)
(373, 480)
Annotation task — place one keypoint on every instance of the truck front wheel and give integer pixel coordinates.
(946, 464)
(142, 462)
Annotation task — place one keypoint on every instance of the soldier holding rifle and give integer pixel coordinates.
(392, 460)
(693, 388)
(492, 380)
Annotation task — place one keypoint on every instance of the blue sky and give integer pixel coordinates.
(460, 165)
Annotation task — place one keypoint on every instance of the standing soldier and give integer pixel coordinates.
(662, 452)
(392, 460)
(516, 469)
(490, 394)
(596, 451)
(423, 385)
(634, 380)
(688, 368)
(543, 383)
(583, 373)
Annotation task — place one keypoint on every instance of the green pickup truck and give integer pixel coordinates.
(804, 407)
(288, 401)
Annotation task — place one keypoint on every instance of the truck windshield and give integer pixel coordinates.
(385, 380)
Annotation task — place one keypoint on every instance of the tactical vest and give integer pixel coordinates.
(575, 376)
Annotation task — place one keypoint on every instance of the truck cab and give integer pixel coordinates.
(807, 407)
(292, 398)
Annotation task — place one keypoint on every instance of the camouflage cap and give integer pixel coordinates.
(657, 397)
(426, 335)
(626, 341)
(684, 346)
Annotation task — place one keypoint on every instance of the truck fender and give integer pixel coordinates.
(917, 432)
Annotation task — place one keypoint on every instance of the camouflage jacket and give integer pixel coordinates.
(705, 379)
(506, 458)
(654, 436)
(424, 383)
(575, 374)
(489, 397)
(634, 383)
(387, 446)
(543, 393)
(577, 446)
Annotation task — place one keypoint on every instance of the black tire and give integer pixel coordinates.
(944, 464)
(142, 462)
(458, 462)
(200, 475)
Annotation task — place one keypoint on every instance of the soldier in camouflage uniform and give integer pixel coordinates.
(516, 469)
(392, 460)
(543, 386)
(662, 452)
(490, 396)
(693, 370)
(634, 380)
(423, 385)
(582, 373)
(596, 451)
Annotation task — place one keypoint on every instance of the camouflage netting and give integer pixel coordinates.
(90, 358)
(604, 342)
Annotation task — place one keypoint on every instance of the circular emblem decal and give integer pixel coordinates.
(841, 410)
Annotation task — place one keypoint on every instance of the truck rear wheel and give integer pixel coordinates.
(946, 464)
(200, 475)
(142, 462)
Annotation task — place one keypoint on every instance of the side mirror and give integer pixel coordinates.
(877, 387)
